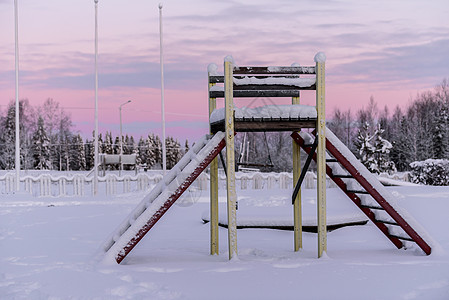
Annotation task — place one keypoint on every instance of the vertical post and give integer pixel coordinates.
(214, 247)
(17, 152)
(320, 60)
(297, 215)
(230, 159)
(121, 139)
(121, 143)
(96, 102)
(164, 151)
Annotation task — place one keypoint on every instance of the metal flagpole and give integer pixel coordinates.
(17, 162)
(164, 151)
(96, 102)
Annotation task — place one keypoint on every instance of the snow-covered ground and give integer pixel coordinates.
(49, 247)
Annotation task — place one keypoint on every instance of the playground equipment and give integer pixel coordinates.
(117, 159)
(356, 182)
(244, 163)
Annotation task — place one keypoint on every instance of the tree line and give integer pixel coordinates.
(48, 141)
(416, 133)
(384, 141)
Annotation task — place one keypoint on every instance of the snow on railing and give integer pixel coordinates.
(54, 185)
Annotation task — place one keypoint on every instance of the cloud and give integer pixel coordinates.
(422, 64)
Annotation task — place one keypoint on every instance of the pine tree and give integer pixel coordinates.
(152, 150)
(382, 148)
(101, 144)
(7, 141)
(366, 150)
(77, 154)
(41, 147)
(173, 152)
(440, 134)
(108, 143)
(116, 146)
(89, 151)
(142, 149)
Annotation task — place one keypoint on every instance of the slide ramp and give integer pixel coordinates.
(367, 193)
(154, 205)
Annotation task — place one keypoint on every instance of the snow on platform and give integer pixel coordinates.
(268, 112)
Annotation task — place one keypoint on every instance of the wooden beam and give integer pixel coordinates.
(274, 70)
(214, 247)
(230, 160)
(256, 94)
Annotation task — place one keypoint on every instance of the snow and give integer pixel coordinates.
(48, 247)
(297, 111)
(298, 82)
(212, 69)
(230, 59)
(320, 57)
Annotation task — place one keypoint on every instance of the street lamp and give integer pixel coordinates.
(121, 137)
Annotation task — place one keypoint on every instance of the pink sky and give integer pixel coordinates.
(390, 50)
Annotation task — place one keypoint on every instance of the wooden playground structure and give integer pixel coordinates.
(244, 82)
(332, 157)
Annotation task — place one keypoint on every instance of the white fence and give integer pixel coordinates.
(54, 185)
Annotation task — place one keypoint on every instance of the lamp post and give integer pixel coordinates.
(121, 138)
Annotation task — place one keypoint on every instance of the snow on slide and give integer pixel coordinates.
(378, 186)
(153, 204)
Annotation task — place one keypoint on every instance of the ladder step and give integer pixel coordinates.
(343, 176)
(357, 192)
(402, 237)
(372, 207)
(388, 222)
(331, 160)
(307, 145)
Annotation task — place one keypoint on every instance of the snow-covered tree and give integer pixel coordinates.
(108, 143)
(77, 154)
(90, 152)
(173, 152)
(366, 149)
(152, 151)
(440, 134)
(157, 149)
(382, 148)
(142, 149)
(7, 140)
(41, 147)
(116, 146)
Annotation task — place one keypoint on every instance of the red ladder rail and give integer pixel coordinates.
(345, 163)
(169, 202)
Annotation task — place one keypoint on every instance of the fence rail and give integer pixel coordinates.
(54, 185)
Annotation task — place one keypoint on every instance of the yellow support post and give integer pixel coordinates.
(230, 157)
(320, 60)
(297, 215)
(214, 247)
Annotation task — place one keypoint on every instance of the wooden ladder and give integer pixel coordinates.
(345, 170)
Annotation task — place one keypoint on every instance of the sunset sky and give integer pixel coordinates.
(388, 49)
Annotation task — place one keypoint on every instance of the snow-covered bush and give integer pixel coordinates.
(430, 172)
